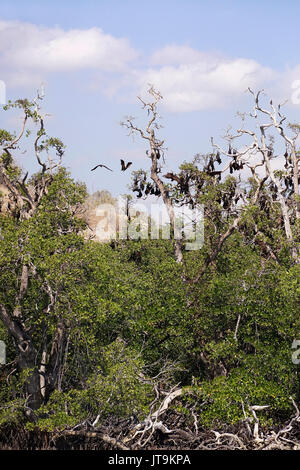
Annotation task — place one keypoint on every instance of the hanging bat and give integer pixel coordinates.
(172, 177)
(125, 166)
(148, 188)
(101, 166)
(218, 158)
(215, 173)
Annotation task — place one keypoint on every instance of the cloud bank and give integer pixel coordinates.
(27, 49)
(189, 79)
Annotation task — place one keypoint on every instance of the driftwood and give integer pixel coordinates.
(162, 430)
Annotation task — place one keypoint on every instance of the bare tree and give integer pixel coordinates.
(156, 152)
(260, 154)
(191, 181)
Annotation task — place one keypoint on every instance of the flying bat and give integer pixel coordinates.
(101, 166)
(125, 166)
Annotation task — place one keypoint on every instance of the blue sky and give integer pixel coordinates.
(95, 57)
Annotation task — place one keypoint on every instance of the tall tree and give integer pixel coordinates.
(223, 189)
(38, 254)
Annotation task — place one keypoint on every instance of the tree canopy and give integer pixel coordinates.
(145, 339)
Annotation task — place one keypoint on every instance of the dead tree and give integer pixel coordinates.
(156, 150)
(260, 153)
(189, 183)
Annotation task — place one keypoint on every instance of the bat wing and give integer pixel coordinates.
(104, 166)
(101, 166)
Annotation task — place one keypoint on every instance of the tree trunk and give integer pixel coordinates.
(27, 359)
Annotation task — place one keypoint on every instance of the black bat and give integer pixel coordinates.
(101, 166)
(172, 177)
(125, 166)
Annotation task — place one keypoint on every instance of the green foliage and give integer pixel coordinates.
(113, 390)
(129, 315)
(5, 137)
(223, 399)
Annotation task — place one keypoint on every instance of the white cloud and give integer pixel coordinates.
(191, 80)
(178, 55)
(27, 48)
(288, 87)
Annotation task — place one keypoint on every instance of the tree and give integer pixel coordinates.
(227, 200)
(156, 152)
(261, 153)
(122, 339)
(252, 237)
(38, 255)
